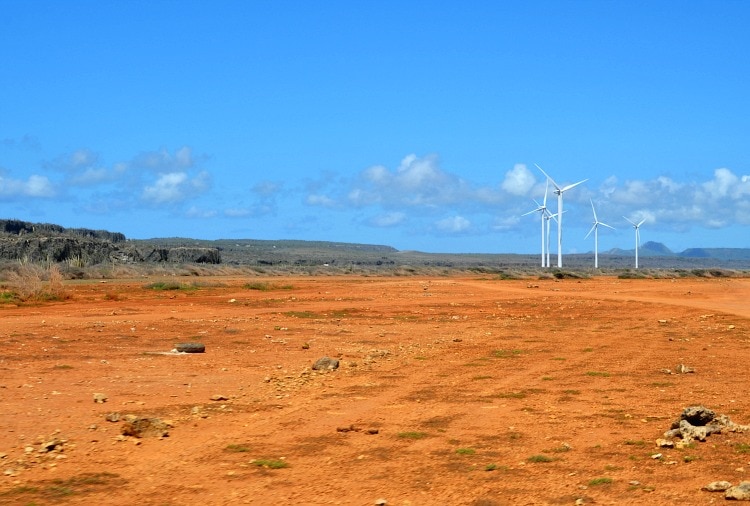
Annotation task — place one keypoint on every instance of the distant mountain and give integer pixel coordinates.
(654, 249)
(648, 249)
(717, 253)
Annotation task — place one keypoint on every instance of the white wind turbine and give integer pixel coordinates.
(595, 230)
(543, 210)
(559, 192)
(637, 227)
(549, 216)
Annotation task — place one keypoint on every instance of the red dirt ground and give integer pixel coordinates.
(480, 391)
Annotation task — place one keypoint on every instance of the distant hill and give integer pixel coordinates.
(33, 242)
(657, 249)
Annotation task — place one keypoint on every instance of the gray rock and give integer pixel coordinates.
(145, 427)
(698, 415)
(100, 398)
(739, 493)
(717, 486)
(326, 364)
(689, 431)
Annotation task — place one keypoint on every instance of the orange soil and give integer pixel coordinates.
(466, 382)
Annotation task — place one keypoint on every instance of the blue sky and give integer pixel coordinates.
(410, 124)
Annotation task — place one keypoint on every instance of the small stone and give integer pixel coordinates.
(739, 493)
(112, 417)
(100, 398)
(381, 502)
(717, 486)
(683, 369)
(326, 364)
(219, 397)
(664, 443)
(656, 456)
(634, 483)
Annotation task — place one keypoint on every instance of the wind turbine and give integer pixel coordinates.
(549, 216)
(637, 237)
(543, 210)
(559, 192)
(595, 230)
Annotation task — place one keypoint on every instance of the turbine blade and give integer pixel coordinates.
(546, 189)
(608, 226)
(548, 178)
(629, 221)
(594, 210)
(642, 222)
(572, 185)
(592, 229)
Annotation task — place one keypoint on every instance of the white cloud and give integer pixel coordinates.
(35, 187)
(196, 212)
(518, 181)
(174, 187)
(454, 225)
(416, 182)
(388, 219)
(320, 200)
(237, 212)
(163, 161)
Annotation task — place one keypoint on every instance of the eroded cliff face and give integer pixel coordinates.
(31, 242)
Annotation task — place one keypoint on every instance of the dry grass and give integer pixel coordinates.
(32, 282)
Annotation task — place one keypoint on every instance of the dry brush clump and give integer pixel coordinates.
(32, 282)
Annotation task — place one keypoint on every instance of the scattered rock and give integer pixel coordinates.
(190, 348)
(665, 443)
(381, 502)
(326, 364)
(218, 397)
(717, 486)
(145, 427)
(100, 398)
(699, 422)
(683, 369)
(739, 493)
(354, 428)
(112, 417)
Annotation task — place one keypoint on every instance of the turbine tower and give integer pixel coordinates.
(542, 208)
(559, 192)
(637, 227)
(595, 230)
(549, 216)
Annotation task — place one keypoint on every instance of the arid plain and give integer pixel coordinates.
(450, 390)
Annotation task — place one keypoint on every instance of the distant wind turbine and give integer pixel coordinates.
(549, 216)
(595, 230)
(637, 237)
(559, 192)
(542, 208)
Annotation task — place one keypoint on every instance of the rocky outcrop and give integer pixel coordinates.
(82, 251)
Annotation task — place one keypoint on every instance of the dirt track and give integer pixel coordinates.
(450, 391)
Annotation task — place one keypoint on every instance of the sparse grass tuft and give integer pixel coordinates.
(270, 463)
(466, 451)
(600, 481)
(266, 287)
(163, 286)
(412, 435)
(237, 448)
(601, 374)
(507, 353)
(635, 442)
(742, 448)
(539, 459)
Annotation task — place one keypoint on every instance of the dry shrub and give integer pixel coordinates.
(32, 282)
